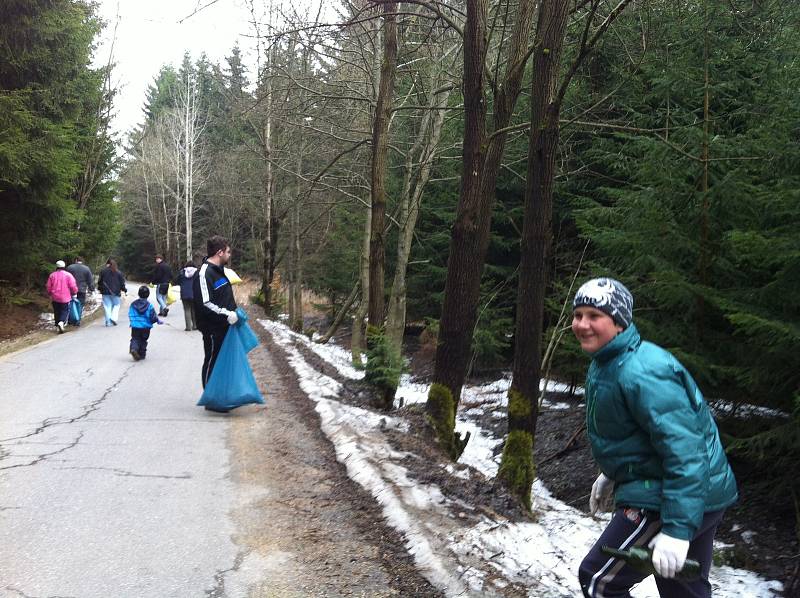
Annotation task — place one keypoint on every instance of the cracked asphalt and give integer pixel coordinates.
(113, 484)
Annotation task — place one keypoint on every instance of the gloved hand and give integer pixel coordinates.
(232, 318)
(601, 491)
(669, 554)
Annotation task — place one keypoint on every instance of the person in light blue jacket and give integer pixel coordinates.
(142, 316)
(658, 449)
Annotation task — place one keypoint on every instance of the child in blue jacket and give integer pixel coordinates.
(142, 316)
(658, 448)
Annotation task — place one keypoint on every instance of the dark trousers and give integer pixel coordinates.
(212, 343)
(81, 299)
(61, 312)
(139, 338)
(602, 576)
(188, 314)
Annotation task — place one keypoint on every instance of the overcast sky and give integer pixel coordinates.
(150, 34)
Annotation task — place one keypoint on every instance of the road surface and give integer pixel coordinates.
(114, 484)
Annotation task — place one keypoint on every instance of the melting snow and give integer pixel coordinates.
(466, 560)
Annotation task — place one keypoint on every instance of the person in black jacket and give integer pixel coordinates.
(85, 279)
(111, 283)
(214, 304)
(161, 277)
(186, 281)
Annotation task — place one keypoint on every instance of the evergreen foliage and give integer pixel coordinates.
(384, 366)
(51, 132)
(710, 270)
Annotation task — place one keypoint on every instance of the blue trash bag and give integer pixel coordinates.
(249, 338)
(232, 383)
(74, 316)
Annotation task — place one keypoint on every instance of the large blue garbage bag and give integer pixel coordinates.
(74, 316)
(232, 383)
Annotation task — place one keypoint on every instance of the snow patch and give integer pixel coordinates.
(484, 558)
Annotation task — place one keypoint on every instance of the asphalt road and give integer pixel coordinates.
(112, 482)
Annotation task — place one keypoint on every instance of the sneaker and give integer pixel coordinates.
(166, 311)
(135, 355)
(114, 322)
(60, 327)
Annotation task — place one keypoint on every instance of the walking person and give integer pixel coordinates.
(162, 275)
(186, 281)
(215, 306)
(85, 279)
(142, 316)
(61, 287)
(658, 448)
(111, 283)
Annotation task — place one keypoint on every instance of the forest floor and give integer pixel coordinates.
(761, 527)
(761, 532)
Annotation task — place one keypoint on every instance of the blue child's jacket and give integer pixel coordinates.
(142, 314)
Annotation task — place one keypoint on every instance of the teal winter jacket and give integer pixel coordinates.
(652, 432)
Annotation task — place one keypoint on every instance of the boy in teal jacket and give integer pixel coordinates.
(658, 448)
(142, 316)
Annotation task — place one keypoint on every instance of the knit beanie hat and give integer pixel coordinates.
(60, 264)
(144, 292)
(609, 296)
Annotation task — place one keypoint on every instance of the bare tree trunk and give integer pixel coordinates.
(517, 465)
(296, 288)
(409, 212)
(357, 337)
(537, 227)
(337, 321)
(269, 251)
(380, 150)
(481, 158)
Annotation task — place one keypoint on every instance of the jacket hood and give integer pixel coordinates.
(141, 305)
(189, 271)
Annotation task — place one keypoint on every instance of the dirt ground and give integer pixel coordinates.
(317, 531)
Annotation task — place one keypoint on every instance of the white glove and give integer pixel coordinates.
(601, 491)
(232, 318)
(669, 554)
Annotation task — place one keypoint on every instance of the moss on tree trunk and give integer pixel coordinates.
(442, 413)
(516, 467)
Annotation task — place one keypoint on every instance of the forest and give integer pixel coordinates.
(451, 171)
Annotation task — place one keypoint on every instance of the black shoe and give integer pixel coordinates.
(215, 410)
(114, 322)
(135, 355)
(166, 311)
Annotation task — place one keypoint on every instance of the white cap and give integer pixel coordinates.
(60, 264)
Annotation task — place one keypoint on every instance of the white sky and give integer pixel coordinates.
(149, 35)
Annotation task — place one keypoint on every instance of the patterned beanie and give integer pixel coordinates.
(609, 296)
